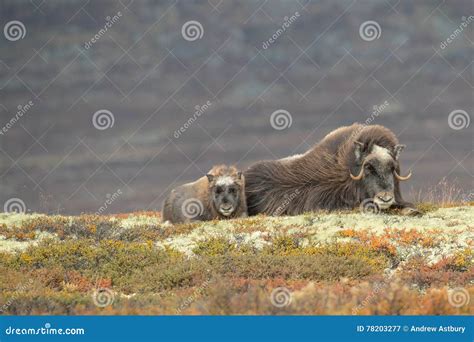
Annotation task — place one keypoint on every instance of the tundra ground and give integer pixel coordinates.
(318, 263)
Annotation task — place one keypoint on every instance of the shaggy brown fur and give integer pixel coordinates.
(195, 201)
(318, 179)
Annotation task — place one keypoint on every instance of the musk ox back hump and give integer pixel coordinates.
(317, 179)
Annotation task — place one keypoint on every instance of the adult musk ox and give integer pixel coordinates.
(218, 195)
(351, 165)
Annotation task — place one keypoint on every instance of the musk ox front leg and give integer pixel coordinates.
(406, 208)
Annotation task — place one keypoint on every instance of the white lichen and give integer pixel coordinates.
(11, 245)
(454, 229)
(140, 220)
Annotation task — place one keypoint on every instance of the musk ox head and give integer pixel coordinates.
(226, 188)
(377, 168)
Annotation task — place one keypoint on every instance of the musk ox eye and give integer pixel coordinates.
(232, 190)
(219, 190)
(370, 169)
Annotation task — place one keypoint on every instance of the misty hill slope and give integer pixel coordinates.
(317, 263)
(142, 70)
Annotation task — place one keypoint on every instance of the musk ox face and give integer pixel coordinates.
(226, 192)
(377, 173)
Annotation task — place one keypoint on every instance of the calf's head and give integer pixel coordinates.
(377, 168)
(226, 189)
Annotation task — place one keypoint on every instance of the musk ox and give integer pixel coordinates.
(351, 165)
(220, 194)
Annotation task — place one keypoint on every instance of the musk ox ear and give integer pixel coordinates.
(210, 177)
(358, 148)
(397, 150)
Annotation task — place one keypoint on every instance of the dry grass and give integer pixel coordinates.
(444, 194)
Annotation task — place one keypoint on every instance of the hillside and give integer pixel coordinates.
(318, 263)
(152, 80)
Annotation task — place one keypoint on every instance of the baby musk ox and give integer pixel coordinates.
(218, 195)
(352, 165)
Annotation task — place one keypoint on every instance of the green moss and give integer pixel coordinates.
(285, 258)
(213, 247)
(108, 258)
(283, 245)
(463, 260)
(427, 207)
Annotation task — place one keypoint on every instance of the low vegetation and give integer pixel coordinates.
(325, 263)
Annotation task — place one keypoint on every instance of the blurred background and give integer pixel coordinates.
(112, 103)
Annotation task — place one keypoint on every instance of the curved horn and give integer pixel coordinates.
(360, 175)
(402, 178)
